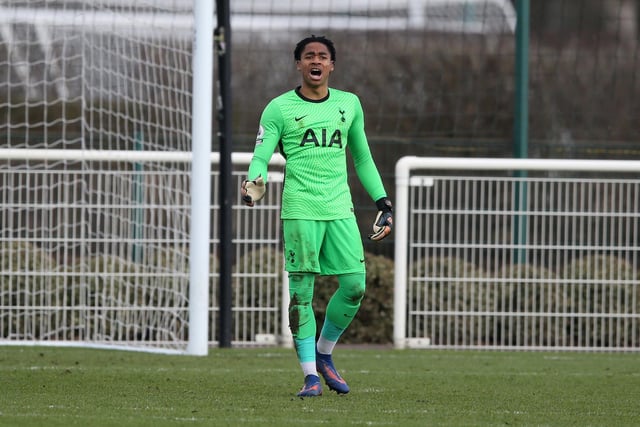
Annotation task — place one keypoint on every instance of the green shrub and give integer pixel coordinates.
(453, 286)
(588, 297)
(27, 293)
(119, 299)
(526, 294)
(592, 302)
(374, 322)
(257, 293)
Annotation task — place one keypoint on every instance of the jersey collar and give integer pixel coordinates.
(297, 90)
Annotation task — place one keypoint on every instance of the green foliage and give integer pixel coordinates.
(594, 305)
(531, 290)
(537, 308)
(257, 278)
(263, 288)
(24, 283)
(590, 296)
(257, 291)
(374, 322)
(448, 284)
(112, 297)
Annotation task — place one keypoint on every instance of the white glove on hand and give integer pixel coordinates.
(384, 220)
(253, 190)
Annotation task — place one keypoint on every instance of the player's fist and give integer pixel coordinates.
(252, 190)
(384, 220)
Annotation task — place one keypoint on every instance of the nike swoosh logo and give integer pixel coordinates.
(297, 119)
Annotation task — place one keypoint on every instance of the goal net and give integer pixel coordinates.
(95, 247)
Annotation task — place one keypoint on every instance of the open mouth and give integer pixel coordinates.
(315, 72)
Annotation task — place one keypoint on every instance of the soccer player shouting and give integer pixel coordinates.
(313, 125)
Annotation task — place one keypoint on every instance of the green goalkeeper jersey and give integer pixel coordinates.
(313, 136)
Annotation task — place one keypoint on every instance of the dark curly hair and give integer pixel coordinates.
(320, 39)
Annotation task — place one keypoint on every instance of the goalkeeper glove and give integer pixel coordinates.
(252, 190)
(384, 220)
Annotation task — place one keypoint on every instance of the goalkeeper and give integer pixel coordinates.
(313, 126)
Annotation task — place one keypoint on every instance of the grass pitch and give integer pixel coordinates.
(43, 386)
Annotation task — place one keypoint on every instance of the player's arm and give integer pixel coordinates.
(254, 187)
(369, 176)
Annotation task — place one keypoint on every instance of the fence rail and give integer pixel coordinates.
(489, 253)
(517, 254)
(94, 250)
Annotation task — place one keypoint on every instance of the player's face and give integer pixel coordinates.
(315, 64)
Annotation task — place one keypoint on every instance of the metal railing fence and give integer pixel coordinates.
(517, 254)
(94, 249)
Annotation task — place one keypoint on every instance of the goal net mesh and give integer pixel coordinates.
(95, 250)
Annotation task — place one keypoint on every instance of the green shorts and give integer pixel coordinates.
(324, 247)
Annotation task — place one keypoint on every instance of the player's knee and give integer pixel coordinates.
(301, 285)
(352, 286)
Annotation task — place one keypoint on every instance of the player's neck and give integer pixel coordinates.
(314, 93)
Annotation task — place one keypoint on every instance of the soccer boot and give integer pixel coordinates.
(325, 367)
(311, 387)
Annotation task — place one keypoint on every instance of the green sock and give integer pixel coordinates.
(306, 349)
(330, 332)
(345, 302)
(328, 337)
(302, 320)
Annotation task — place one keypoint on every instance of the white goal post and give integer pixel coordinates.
(94, 79)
